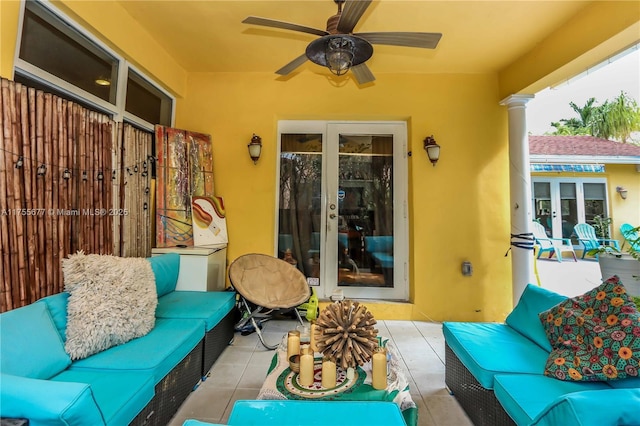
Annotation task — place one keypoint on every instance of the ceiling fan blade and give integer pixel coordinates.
(266, 22)
(351, 14)
(362, 73)
(287, 69)
(424, 40)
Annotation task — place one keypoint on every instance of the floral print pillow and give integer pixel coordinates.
(595, 337)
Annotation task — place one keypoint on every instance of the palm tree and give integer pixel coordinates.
(576, 126)
(615, 119)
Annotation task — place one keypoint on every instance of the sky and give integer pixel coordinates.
(603, 83)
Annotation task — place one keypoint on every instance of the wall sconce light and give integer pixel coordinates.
(622, 191)
(432, 148)
(255, 148)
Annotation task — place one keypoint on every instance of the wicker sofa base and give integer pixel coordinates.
(216, 340)
(172, 390)
(479, 403)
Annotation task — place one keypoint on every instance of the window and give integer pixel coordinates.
(147, 102)
(58, 56)
(561, 203)
(51, 45)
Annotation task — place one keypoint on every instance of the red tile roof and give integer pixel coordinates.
(580, 145)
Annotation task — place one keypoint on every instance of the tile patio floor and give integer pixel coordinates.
(240, 370)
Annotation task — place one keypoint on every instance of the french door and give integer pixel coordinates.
(342, 206)
(561, 203)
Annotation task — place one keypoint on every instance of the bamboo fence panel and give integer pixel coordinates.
(135, 188)
(56, 194)
(116, 182)
(5, 163)
(6, 169)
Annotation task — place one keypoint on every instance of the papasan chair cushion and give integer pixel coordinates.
(268, 281)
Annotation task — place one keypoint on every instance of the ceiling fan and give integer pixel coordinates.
(338, 48)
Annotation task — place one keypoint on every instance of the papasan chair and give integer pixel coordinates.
(271, 284)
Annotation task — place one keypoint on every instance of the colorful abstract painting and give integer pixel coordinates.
(209, 222)
(184, 169)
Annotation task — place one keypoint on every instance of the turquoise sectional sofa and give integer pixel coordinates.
(310, 413)
(496, 372)
(143, 381)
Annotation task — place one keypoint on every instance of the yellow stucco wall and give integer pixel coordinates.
(628, 210)
(458, 209)
(9, 17)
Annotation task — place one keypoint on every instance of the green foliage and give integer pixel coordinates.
(601, 225)
(615, 119)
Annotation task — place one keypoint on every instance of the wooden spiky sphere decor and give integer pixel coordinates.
(344, 332)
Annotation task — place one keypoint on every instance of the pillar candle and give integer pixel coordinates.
(328, 373)
(314, 348)
(379, 369)
(293, 343)
(305, 378)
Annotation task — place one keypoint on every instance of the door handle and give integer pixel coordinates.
(332, 216)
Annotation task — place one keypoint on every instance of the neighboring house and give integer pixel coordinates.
(575, 178)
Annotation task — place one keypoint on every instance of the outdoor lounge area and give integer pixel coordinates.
(240, 372)
(380, 150)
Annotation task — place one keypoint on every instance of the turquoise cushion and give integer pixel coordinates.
(525, 396)
(210, 306)
(57, 305)
(157, 352)
(314, 413)
(121, 395)
(487, 349)
(524, 317)
(166, 268)
(30, 345)
(381, 243)
(46, 402)
(613, 407)
(628, 383)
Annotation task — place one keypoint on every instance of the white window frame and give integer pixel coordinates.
(117, 111)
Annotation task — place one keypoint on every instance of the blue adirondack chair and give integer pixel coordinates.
(552, 246)
(631, 236)
(587, 236)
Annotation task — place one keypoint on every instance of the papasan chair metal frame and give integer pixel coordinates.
(271, 284)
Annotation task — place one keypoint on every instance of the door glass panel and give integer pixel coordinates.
(300, 203)
(365, 211)
(542, 203)
(568, 209)
(594, 201)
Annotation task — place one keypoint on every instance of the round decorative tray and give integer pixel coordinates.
(289, 386)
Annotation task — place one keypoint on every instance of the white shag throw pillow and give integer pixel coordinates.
(111, 301)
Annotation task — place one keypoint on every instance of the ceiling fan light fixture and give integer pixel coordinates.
(339, 55)
(339, 52)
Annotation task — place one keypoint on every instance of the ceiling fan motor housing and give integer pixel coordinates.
(360, 49)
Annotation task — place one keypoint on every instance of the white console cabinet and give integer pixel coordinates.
(202, 268)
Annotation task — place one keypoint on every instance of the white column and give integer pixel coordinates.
(520, 193)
